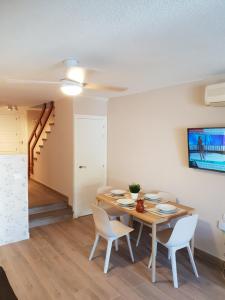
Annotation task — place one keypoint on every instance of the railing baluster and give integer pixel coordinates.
(37, 135)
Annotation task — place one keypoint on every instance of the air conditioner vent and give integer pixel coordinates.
(215, 94)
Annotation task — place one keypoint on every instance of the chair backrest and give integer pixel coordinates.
(183, 231)
(102, 223)
(167, 196)
(104, 189)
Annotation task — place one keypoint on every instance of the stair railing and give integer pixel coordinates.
(36, 133)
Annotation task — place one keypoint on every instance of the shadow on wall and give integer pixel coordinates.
(198, 97)
(119, 184)
(182, 146)
(204, 234)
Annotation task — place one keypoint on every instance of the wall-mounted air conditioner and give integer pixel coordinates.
(215, 94)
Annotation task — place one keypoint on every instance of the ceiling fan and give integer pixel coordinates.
(73, 83)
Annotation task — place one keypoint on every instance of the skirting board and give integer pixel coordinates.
(210, 259)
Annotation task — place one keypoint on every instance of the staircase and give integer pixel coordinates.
(44, 211)
(40, 134)
(49, 214)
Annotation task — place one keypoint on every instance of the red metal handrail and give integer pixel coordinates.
(37, 135)
(34, 134)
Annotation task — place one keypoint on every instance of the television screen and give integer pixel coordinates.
(206, 147)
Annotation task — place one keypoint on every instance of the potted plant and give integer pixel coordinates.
(134, 189)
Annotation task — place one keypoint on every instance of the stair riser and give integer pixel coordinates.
(48, 220)
(47, 208)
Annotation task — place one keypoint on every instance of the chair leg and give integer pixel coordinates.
(94, 246)
(139, 233)
(117, 244)
(129, 246)
(192, 261)
(150, 259)
(174, 267)
(125, 219)
(169, 253)
(107, 257)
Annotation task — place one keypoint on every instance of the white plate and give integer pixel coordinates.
(118, 192)
(152, 196)
(166, 208)
(125, 202)
(168, 212)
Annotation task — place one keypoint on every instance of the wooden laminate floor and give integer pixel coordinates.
(40, 195)
(54, 264)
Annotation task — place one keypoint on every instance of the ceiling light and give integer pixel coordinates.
(76, 74)
(71, 89)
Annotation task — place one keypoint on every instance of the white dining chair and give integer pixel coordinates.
(111, 230)
(113, 212)
(177, 238)
(163, 196)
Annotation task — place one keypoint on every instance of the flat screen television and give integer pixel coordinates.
(206, 148)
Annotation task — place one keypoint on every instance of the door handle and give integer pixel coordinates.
(82, 167)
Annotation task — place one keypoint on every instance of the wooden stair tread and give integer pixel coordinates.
(51, 124)
(41, 146)
(48, 207)
(50, 217)
(35, 158)
(51, 213)
(38, 152)
(47, 131)
(44, 139)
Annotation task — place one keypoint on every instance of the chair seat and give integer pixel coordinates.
(114, 212)
(119, 228)
(160, 226)
(164, 235)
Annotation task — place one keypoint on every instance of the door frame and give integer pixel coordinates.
(92, 117)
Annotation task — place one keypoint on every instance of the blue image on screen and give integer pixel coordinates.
(207, 148)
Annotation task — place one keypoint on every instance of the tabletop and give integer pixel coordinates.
(147, 216)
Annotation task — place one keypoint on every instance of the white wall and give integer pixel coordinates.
(32, 118)
(14, 198)
(90, 106)
(54, 166)
(147, 143)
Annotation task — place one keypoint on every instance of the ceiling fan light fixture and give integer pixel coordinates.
(71, 89)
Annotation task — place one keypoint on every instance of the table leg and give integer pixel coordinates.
(153, 253)
(131, 221)
(193, 243)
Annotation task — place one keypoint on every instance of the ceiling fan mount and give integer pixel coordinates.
(70, 62)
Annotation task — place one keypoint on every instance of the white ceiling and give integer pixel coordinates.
(139, 44)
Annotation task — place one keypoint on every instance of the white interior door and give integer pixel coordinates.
(90, 160)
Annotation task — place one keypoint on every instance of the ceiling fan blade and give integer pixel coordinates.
(93, 86)
(30, 81)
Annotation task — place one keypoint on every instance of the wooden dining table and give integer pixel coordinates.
(149, 216)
